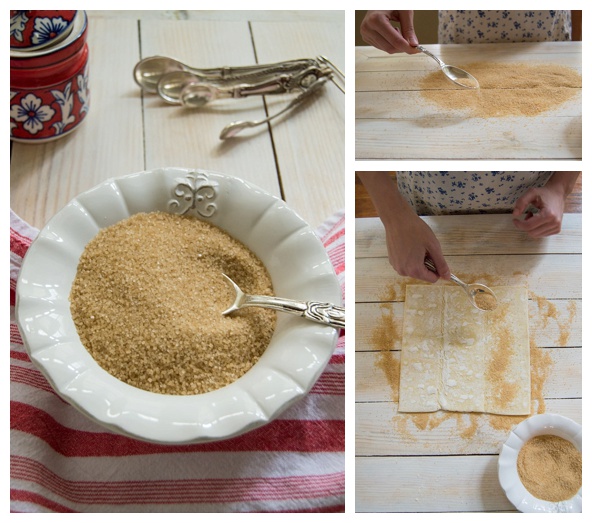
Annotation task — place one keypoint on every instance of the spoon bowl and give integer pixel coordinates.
(455, 74)
(197, 95)
(171, 85)
(148, 72)
(481, 296)
(460, 77)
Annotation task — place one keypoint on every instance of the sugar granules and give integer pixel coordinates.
(485, 302)
(506, 89)
(550, 468)
(147, 302)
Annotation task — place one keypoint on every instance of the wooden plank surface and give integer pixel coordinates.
(394, 121)
(551, 276)
(185, 137)
(309, 143)
(448, 461)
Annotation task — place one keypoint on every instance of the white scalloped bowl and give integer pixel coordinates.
(539, 425)
(297, 354)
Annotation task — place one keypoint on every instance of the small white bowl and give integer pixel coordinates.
(539, 425)
(295, 258)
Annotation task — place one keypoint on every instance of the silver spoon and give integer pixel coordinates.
(454, 74)
(324, 313)
(233, 128)
(479, 294)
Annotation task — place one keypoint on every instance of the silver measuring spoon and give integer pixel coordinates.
(481, 296)
(324, 313)
(148, 72)
(233, 128)
(454, 74)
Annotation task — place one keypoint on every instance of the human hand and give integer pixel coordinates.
(409, 241)
(550, 201)
(377, 30)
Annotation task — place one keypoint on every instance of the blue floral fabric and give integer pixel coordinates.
(466, 192)
(468, 27)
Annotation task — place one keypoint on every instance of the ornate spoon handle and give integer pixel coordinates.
(320, 312)
(425, 51)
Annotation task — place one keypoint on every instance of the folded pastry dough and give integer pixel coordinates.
(457, 358)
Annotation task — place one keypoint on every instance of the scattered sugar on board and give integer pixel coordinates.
(548, 310)
(506, 89)
(382, 340)
(147, 302)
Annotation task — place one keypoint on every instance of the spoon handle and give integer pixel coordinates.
(425, 51)
(325, 313)
(244, 73)
(428, 262)
(233, 128)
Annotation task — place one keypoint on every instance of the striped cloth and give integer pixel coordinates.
(63, 462)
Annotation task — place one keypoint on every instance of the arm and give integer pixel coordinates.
(376, 29)
(550, 200)
(408, 239)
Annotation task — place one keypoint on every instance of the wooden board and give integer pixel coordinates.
(312, 181)
(394, 120)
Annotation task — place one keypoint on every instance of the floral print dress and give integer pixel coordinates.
(466, 192)
(469, 27)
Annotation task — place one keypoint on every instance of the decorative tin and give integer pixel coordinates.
(49, 95)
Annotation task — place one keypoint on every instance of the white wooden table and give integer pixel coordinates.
(299, 158)
(394, 121)
(439, 470)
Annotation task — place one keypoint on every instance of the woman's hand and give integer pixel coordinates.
(550, 202)
(376, 29)
(409, 242)
(409, 239)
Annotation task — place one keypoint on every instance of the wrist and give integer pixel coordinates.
(562, 182)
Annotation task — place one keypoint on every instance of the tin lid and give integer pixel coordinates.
(31, 30)
(55, 53)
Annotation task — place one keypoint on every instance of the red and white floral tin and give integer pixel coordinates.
(49, 95)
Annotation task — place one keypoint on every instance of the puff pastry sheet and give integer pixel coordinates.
(457, 358)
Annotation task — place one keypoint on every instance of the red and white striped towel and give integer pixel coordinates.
(63, 462)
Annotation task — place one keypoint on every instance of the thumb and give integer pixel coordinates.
(440, 262)
(522, 203)
(407, 30)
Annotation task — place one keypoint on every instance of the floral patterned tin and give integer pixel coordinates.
(49, 95)
(36, 29)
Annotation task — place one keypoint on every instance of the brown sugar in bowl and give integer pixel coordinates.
(293, 255)
(511, 479)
